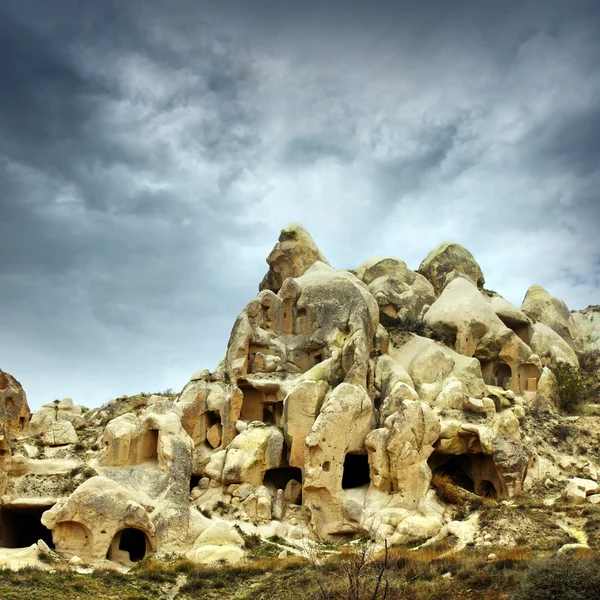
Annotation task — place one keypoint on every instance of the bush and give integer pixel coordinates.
(411, 324)
(561, 578)
(570, 386)
(589, 367)
(447, 490)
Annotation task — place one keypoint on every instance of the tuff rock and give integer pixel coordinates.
(329, 417)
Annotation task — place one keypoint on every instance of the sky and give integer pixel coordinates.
(151, 151)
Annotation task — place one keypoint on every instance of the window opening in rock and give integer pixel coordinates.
(194, 481)
(471, 472)
(149, 446)
(252, 409)
(487, 371)
(356, 471)
(455, 467)
(268, 414)
(529, 376)
(502, 375)
(21, 422)
(487, 489)
(213, 417)
(132, 541)
(21, 527)
(282, 476)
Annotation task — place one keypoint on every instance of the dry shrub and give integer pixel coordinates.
(561, 578)
(446, 490)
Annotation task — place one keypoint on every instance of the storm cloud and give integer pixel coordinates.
(150, 152)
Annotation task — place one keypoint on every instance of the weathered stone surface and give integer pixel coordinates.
(341, 428)
(60, 433)
(14, 410)
(448, 261)
(399, 451)
(551, 347)
(541, 307)
(399, 291)
(587, 322)
(325, 418)
(293, 254)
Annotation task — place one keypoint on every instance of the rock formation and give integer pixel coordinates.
(326, 418)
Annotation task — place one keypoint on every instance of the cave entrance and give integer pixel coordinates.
(194, 481)
(288, 479)
(487, 489)
(148, 446)
(356, 471)
(528, 375)
(502, 375)
(212, 417)
(252, 403)
(21, 527)
(128, 546)
(282, 476)
(455, 467)
(475, 473)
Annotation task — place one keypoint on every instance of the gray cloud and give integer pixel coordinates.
(150, 153)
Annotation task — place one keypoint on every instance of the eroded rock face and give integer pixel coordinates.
(320, 421)
(14, 410)
(541, 307)
(448, 261)
(399, 291)
(292, 255)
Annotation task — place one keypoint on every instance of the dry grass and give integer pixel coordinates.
(429, 573)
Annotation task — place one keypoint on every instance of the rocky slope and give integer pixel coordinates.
(340, 395)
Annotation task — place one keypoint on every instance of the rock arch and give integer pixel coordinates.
(129, 545)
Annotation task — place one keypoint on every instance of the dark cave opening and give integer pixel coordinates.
(213, 417)
(133, 541)
(356, 471)
(282, 476)
(268, 414)
(503, 375)
(194, 481)
(21, 527)
(467, 471)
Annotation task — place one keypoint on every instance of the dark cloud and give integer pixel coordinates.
(150, 153)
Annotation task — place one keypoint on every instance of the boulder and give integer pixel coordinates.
(448, 261)
(14, 410)
(292, 255)
(254, 451)
(542, 307)
(399, 291)
(399, 451)
(60, 433)
(463, 313)
(587, 322)
(574, 494)
(551, 347)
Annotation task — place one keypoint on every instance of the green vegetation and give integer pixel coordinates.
(577, 385)
(570, 386)
(561, 578)
(410, 324)
(355, 572)
(589, 368)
